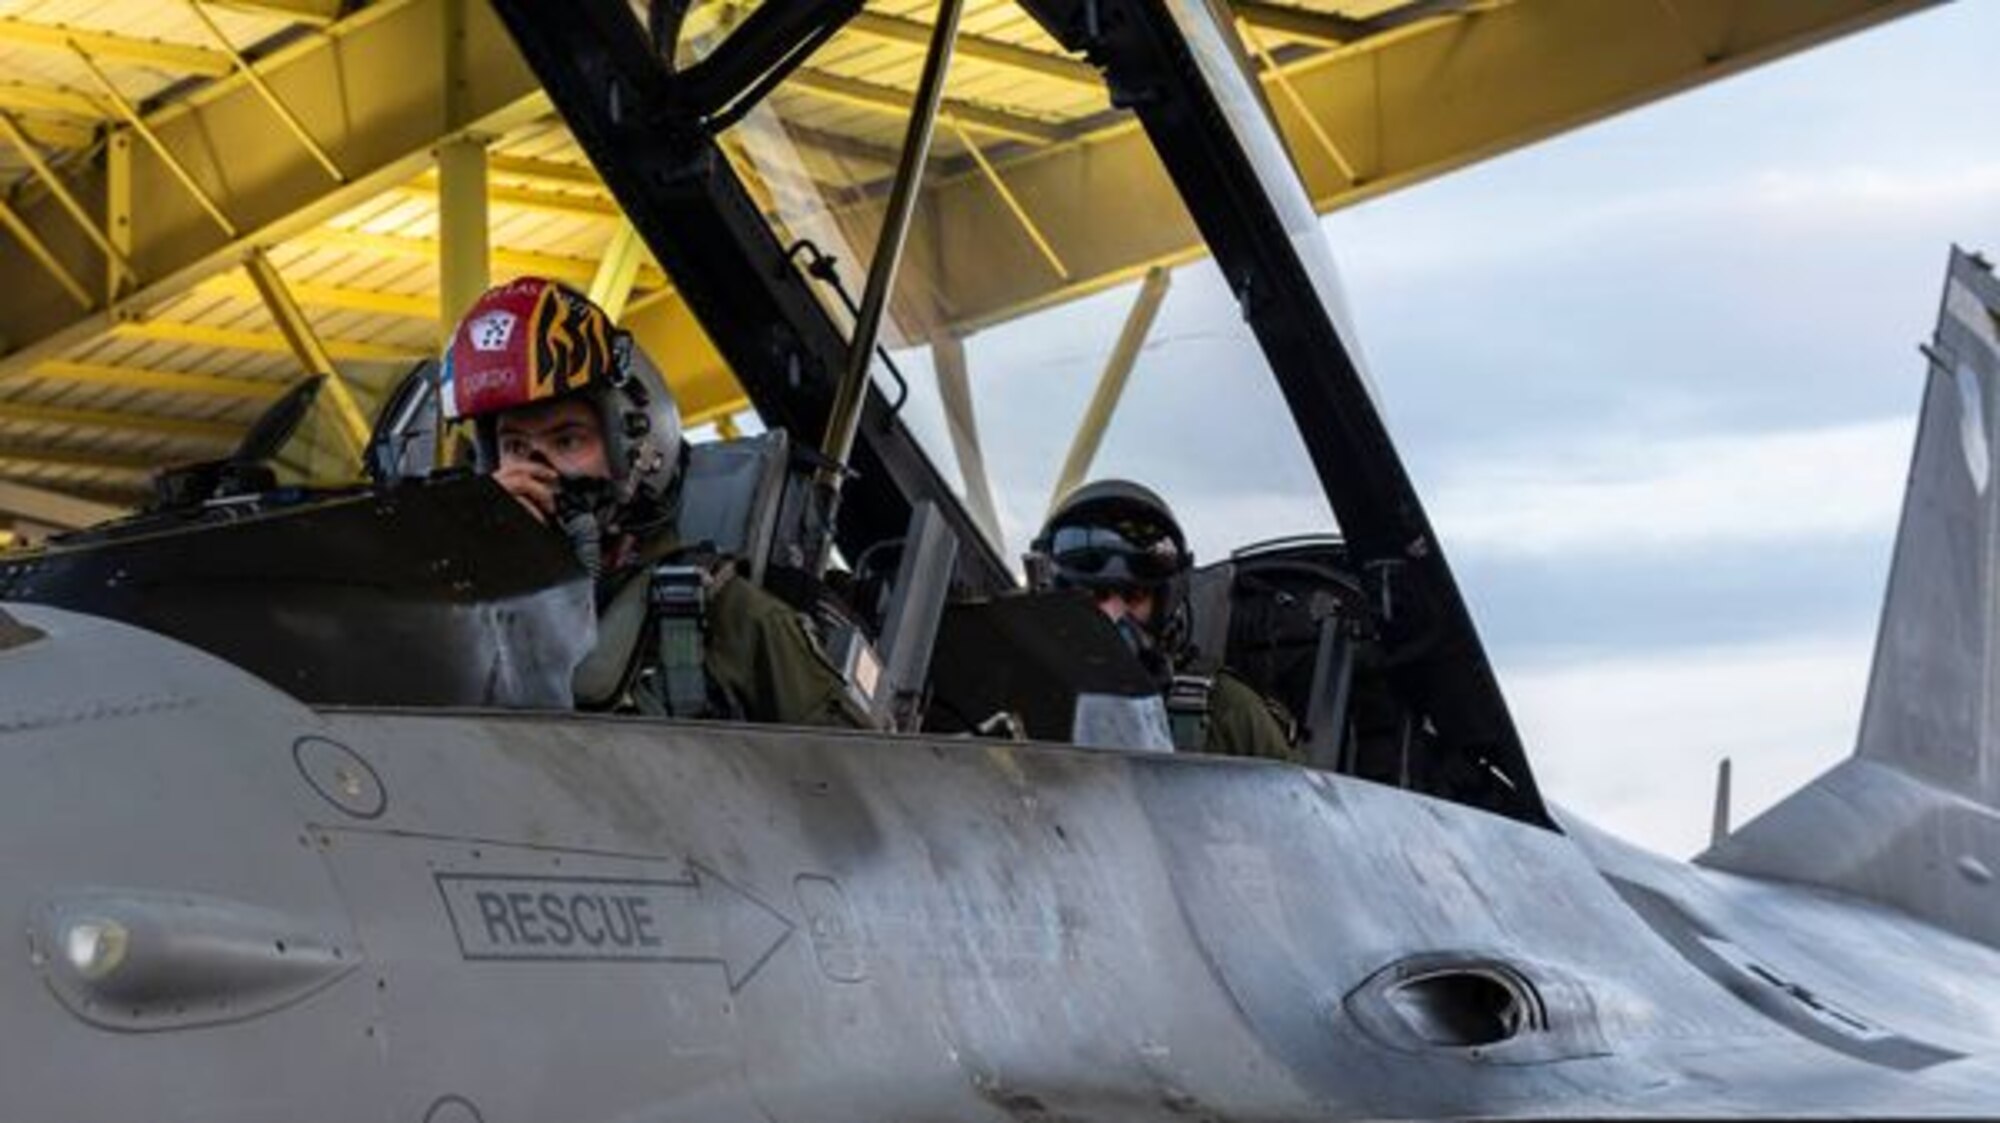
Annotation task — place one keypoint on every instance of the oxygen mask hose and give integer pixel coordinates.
(580, 503)
(1140, 639)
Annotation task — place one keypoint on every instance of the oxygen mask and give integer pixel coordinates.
(584, 509)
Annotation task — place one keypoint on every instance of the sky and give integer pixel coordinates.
(1656, 379)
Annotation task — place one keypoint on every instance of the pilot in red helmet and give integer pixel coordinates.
(579, 427)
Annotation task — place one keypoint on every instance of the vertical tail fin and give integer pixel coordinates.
(1913, 818)
(1931, 699)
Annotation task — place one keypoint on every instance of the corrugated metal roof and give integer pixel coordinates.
(199, 366)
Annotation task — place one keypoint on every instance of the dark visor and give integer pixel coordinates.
(1092, 550)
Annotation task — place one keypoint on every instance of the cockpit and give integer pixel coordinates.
(931, 314)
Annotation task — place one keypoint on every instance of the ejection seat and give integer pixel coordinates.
(734, 497)
(751, 499)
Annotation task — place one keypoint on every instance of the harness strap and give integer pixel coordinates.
(679, 597)
(1188, 710)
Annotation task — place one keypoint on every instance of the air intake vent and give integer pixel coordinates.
(1465, 1007)
(1478, 1007)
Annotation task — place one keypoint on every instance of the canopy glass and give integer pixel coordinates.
(1014, 407)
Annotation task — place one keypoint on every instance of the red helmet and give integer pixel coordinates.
(531, 341)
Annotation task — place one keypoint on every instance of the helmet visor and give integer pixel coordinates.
(1133, 553)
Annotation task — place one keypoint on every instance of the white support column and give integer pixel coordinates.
(955, 390)
(1111, 384)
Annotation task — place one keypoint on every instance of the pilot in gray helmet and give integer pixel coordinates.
(573, 422)
(1120, 542)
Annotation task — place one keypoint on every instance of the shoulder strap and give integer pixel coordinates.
(606, 672)
(679, 600)
(1187, 710)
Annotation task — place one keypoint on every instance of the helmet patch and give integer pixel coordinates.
(491, 331)
(524, 342)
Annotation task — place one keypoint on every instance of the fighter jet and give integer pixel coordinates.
(303, 824)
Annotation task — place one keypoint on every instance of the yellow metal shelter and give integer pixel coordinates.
(201, 200)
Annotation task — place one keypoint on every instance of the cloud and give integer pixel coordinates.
(1839, 481)
(1769, 205)
(1632, 744)
(1863, 189)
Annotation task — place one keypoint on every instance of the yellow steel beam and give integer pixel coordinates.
(1027, 60)
(11, 131)
(529, 198)
(506, 261)
(43, 255)
(53, 508)
(1325, 28)
(370, 88)
(722, 412)
(307, 347)
(319, 13)
(891, 99)
(1590, 61)
(611, 288)
(1014, 205)
(1331, 29)
(33, 454)
(230, 339)
(1413, 96)
(1290, 92)
(1405, 107)
(464, 250)
(559, 174)
(168, 158)
(57, 132)
(29, 414)
(172, 382)
(557, 202)
(702, 384)
(465, 193)
(118, 212)
(1402, 106)
(278, 107)
(290, 319)
(178, 58)
(61, 101)
(331, 296)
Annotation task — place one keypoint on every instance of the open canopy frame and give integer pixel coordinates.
(646, 126)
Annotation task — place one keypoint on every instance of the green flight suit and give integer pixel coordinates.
(1239, 722)
(761, 657)
(760, 662)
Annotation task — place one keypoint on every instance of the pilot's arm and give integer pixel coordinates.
(759, 653)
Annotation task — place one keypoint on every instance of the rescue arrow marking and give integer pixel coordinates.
(700, 919)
